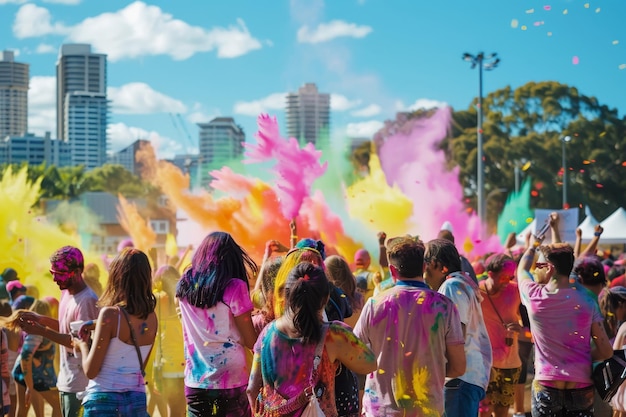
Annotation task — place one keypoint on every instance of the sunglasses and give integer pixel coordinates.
(55, 272)
(541, 265)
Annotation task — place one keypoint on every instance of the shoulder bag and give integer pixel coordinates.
(608, 375)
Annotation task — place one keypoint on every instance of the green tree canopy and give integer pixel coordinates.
(528, 124)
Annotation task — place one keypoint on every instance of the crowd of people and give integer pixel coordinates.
(428, 333)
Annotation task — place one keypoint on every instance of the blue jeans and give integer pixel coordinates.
(461, 399)
(115, 404)
(553, 402)
(70, 405)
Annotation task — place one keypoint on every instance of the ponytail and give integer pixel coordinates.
(306, 291)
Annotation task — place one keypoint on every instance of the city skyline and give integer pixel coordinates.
(171, 64)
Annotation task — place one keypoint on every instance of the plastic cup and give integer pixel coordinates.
(75, 327)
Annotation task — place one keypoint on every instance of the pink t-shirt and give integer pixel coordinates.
(561, 325)
(408, 329)
(506, 302)
(215, 357)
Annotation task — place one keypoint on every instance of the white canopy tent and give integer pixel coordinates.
(614, 228)
(588, 228)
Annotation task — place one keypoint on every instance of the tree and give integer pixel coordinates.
(529, 123)
(116, 179)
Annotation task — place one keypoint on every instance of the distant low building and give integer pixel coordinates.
(34, 150)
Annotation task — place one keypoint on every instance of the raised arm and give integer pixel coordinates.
(554, 227)
(293, 239)
(578, 243)
(593, 244)
(382, 250)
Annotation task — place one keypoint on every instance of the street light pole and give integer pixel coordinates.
(564, 140)
(488, 63)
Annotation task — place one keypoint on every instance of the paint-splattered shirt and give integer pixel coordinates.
(286, 365)
(408, 328)
(464, 292)
(215, 357)
(561, 325)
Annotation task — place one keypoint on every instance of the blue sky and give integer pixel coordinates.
(208, 58)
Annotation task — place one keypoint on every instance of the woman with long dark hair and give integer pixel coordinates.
(123, 338)
(292, 340)
(215, 307)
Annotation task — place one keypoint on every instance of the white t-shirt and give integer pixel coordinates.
(80, 306)
(464, 293)
(215, 357)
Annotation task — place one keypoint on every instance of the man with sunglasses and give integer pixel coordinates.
(565, 320)
(78, 303)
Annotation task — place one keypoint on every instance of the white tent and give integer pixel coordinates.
(614, 228)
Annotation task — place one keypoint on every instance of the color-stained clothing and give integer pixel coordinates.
(505, 303)
(561, 324)
(80, 306)
(167, 345)
(408, 328)
(464, 292)
(286, 365)
(120, 370)
(215, 357)
(41, 351)
(4, 368)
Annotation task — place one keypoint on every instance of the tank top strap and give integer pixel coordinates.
(119, 319)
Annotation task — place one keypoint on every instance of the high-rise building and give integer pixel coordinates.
(308, 114)
(13, 96)
(82, 105)
(221, 140)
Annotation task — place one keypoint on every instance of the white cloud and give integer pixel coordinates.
(13, 1)
(44, 48)
(363, 129)
(68, 2)
(331, 30)
(140, 98)
(139, 30)
(369, 111)
(275, 101)
(200, 117)
(422, 103)
(342, 103)
(121, 135)
(32, 21)
(42, 105)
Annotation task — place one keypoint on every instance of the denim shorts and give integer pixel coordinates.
(115, 404)
(217, 402)
(552, 402)
(461, 399)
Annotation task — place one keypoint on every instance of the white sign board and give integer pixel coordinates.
(568, 222)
